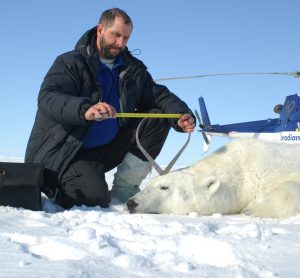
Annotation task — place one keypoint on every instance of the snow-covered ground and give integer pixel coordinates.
(96, 242)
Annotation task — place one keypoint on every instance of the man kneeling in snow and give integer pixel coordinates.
(76, 134)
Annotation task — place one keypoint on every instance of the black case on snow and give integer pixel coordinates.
(20, 185)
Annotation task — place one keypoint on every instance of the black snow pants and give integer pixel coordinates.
(83, 182)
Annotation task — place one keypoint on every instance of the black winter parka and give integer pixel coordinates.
(71, 87)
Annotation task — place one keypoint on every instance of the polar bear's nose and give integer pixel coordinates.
(131, 204)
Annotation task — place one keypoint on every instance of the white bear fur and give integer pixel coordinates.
(245, 176)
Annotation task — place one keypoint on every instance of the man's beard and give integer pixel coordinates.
(105, 49)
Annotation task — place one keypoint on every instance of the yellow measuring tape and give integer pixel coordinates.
(146, 115)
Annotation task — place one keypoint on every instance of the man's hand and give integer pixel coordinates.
(186, 123)
(100, 112)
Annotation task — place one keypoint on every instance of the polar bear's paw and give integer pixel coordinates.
(281, 202)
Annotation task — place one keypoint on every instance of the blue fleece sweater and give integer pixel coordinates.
(102, 132)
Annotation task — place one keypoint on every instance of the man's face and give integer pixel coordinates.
(112, 40)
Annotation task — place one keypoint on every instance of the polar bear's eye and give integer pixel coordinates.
(163, 187)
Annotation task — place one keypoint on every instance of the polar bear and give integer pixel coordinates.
(249, 176)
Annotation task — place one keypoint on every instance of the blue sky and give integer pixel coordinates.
(175, 38)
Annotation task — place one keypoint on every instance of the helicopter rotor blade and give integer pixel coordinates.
(294, 74)
(207, 138)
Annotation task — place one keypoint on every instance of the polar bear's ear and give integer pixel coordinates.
(212, 185)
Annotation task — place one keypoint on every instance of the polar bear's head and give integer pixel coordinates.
(178, 192)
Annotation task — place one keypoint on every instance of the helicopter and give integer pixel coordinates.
(284, 129)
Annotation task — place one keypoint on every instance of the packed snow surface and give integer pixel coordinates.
(97, 242)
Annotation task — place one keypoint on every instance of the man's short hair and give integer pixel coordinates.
(108, 17)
